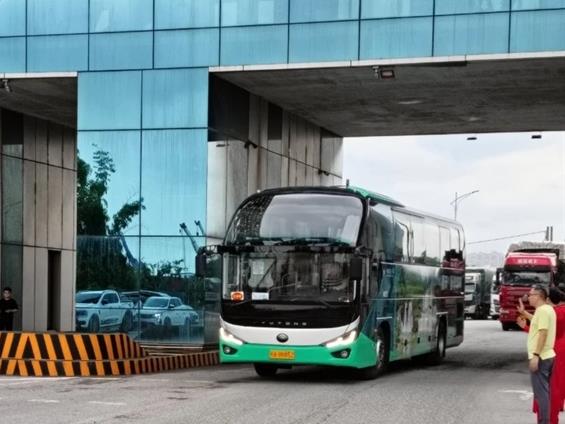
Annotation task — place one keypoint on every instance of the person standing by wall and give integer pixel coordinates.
(541, 338)
(8, 307)
(557, 386)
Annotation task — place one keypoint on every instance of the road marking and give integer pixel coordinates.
(28, 379)
(44, 400)
(96, 402)
(524, 394)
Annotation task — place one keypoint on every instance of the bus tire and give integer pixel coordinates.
(382, 347)
(436, 357)
(506, 326)
(265, 370)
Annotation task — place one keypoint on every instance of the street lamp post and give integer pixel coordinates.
(458, 199)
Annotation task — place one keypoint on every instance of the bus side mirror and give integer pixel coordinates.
(356, 268)
(200, 265)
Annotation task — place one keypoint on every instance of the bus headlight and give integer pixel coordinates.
(344, 340)
(229, 338)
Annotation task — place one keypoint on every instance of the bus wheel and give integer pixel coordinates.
(506, 326)
(265, 370)
(382, 349)
(436, 357)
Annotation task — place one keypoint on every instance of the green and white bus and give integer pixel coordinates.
(337, 276)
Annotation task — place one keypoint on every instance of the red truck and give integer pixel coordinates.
(527, 264)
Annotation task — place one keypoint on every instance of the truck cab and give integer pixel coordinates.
(522, 270)
(477, 294)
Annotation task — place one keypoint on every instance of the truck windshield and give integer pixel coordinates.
(156, 302)
(88, 297)
(526, 278)
(297, 218)
(289, 277)
(470, 288)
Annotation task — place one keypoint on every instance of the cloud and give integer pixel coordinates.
(521, 182)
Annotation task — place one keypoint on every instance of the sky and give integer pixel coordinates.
(521, 181)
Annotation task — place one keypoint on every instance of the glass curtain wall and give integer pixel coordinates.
(142, 204)
(140, 222)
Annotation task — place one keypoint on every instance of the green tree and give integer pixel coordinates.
(101, 260)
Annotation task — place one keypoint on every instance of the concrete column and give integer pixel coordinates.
(67, 292)
(55, 212)
(41, 204)
(41, 292)
(55, 145)
(29, 203)
(28, 289)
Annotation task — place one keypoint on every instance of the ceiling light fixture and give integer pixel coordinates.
(409, 102)
(383, 73)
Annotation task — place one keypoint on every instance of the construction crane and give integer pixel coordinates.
(191, 236)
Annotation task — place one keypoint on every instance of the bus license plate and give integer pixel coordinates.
(282, 354)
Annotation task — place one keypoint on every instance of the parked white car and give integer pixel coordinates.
(102, 310)
(167, 312)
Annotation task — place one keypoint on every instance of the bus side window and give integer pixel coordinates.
(455, 239)
(432, 244)
(401, 238)
(419, 240)
(444, 242)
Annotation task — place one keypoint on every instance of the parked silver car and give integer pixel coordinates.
(166, 313)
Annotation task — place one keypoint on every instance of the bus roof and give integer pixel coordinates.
(357, 191)
(376, 197)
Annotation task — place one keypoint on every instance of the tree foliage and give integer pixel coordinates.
(101, 260)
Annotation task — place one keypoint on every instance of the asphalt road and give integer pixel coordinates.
(485, 380)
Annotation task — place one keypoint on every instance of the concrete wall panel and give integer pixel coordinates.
(254, 119)
(337, 167)
(67, 290)
(28, 289)
(217, 188)
(29, 137)
(41, 204)
(68, 209)
(55, 213)
(29, 203)
(284, 171)
(285, 132)
(41, 143)
(274, 163)
(252, 169)
(41, 294)
(292, 172)
(69, 148)
(55, 145)
(236, 176)
(264, 123)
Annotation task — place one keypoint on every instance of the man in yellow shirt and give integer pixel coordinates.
(541, 338)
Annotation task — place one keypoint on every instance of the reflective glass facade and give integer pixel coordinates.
(104, 35)
(143, 124)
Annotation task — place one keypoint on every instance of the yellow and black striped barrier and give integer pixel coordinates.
(85, 355)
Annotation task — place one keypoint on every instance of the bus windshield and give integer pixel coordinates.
(297, 218)
(526, 278)
(289, 277)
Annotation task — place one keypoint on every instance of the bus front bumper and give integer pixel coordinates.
(359, 354)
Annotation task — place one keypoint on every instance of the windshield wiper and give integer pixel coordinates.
(319, 301)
